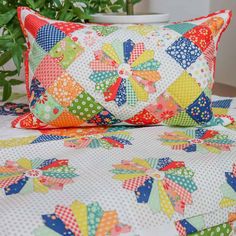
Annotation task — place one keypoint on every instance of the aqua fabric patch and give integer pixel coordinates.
(181, 28)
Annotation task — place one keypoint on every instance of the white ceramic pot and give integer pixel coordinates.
(118, 18)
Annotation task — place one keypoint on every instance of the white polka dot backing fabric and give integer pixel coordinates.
(119, 181)
(95, 74)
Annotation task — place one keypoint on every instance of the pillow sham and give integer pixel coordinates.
(96, 74)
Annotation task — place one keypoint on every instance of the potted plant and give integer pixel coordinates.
(12, 41)
(128, 16)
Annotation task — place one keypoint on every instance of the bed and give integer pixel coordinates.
(118, 181)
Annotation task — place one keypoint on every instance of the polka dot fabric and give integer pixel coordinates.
(122, 70)
(48, 188)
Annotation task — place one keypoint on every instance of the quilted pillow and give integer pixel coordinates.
(94, 74)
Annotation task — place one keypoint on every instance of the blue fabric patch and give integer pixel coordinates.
(231, 180)
(121, 94)
(46, 138)
(121, 140)
(128, 48)
(104, 118)
(222, 103)
(184, 52)
(47, 162)
(16, 188)
(36, 90)
(199, 133)
(191, 148)
(48, 36)
(56, 224)
(200, 110)
(189, 228)
(163, 162)
(143, 192)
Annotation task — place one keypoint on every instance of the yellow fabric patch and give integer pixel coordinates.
(14, 142)
(144, 57)
(185, 90)
(124, 177)
(38, 187)
(110, 51)
(226, 202)
(80, 212)
(166, 205)
(220, 111)
(24, 163)
(141, 162)
(142, 29)
(141, 94)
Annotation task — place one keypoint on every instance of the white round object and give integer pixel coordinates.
(118, 18)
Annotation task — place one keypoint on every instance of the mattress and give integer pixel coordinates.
(120, 180)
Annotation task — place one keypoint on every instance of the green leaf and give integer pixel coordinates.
(7, 90)
(6, 17)
(7, 73)
(17, 57)
(31, 4)
(15, 82)
(5, 57)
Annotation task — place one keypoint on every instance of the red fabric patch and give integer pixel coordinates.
(33, 24)
(201, 36)
(143, 118)
(48, 71)
(68, 27)
(29, 121)
(111, 92)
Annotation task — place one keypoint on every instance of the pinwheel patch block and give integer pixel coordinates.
(118, 139)
(26, 176)
(229, 189)
(80, 219)
(125, 72)
(163, 184)
(201, 140)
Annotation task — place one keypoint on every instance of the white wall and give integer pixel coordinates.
(178, 9)
(187, 9)
(226, 60)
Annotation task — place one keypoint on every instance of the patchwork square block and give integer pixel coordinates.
(96, 74)
(201, 36)
(53, 71)
(62, 90)
(184, 51)
(200, 110)
(48, 36)
(85, 107)
(65, 52)
(184, 90)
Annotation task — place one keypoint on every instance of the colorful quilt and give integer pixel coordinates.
(126, 181)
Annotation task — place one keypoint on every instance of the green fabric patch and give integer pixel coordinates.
(47, 109)
(95, 214)
(36, 56)
(182, 118)
(220, 230)
(85, 107)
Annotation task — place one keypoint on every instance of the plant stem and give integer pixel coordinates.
(130, 7)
